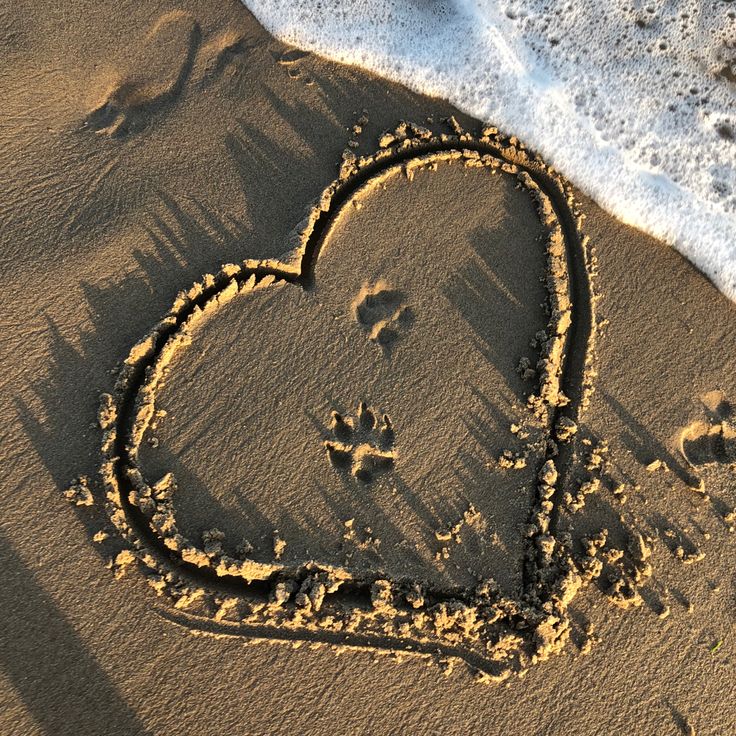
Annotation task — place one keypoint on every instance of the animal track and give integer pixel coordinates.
(168, 57)
(714, 441)
(362, 445)
(382, 311)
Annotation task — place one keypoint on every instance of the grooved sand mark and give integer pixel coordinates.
(494, 634)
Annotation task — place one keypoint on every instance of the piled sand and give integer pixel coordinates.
(354, 416)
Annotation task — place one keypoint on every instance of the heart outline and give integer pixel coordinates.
(549, 578)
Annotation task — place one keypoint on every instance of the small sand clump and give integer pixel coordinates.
(79, 492)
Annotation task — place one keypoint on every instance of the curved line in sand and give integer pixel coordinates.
(570, 371)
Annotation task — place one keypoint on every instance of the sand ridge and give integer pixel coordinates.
(495, 634)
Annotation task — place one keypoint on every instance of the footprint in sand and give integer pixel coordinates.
(362, 444)
(705, 442)
(383, 312)
(155, 75)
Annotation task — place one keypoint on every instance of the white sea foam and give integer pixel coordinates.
(633, 100)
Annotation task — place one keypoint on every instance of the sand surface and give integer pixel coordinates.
(143, 146)
(249, 404)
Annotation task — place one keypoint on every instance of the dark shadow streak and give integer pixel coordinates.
(644, 445)
(61, 684)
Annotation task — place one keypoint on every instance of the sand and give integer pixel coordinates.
(352, 427)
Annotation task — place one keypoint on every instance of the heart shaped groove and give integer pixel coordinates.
(495, 634)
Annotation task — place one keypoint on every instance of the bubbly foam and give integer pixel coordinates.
(633, 100)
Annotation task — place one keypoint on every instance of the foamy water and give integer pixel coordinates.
(633, 101)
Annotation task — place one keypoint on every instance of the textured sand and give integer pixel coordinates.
(249, 403)
(144, 146)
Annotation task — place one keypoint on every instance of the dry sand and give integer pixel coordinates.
(344, 425)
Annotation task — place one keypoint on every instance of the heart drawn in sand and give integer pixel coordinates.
(363, 387)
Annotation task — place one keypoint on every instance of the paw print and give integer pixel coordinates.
(362, 445)
(383, 312)
(712, 441)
